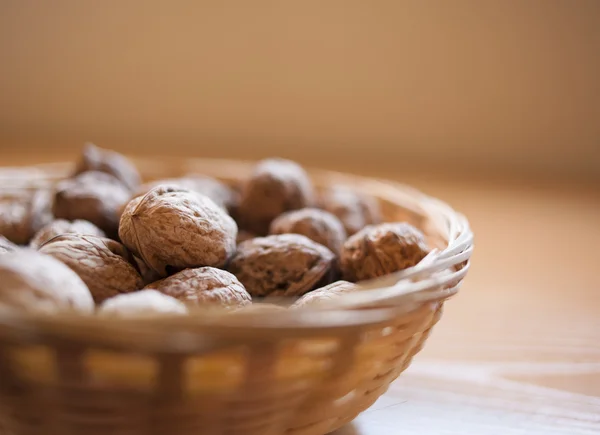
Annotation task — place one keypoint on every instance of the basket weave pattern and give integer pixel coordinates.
(301, 372)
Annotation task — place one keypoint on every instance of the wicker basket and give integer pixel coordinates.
(300, 372)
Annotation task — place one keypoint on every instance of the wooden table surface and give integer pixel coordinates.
(518, 350)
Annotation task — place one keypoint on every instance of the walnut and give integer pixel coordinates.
(325, 293)
(219, 192)
(173, 229)
(144, 302)
(275, 186)
(33, 281)
(282, 265)
(204, 286)
(62, 226)
(6, 245)
(103, 264)
(23, 214)
(110, 162)
(318, 225)
(378, 250)
(355, 210)
(93, 196)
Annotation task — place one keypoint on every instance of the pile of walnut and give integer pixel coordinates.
(102, 242)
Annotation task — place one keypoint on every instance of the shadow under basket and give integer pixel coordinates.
(298, 372)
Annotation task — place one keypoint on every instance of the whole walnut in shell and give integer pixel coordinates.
(219, 192)
(110, 162)
(103, 264)
(318, 225)
(33, 281)
(378, 250)
(355, 210)
(204, 286)
(143, 302)
(93, 196)
(62, 226)
(325, 293)
(275, 186)
(282, 265)
(173, 229)
(23, 214)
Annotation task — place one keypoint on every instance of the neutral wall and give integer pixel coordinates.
(493, 84)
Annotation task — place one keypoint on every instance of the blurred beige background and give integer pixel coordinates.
(481, 85)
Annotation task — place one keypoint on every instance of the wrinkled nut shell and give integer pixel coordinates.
(33, 281)
(275, 186)
(62, 226)
(355, 210)
(171, 228)
(220, 193)
(282, 265)
(23, 215)
(204, 286)
(318, 225)
(110, 162)
(96, 197)
(103, 264)
(378, 250)
(324, 294)
(143, 302)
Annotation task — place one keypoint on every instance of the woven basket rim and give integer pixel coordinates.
(385, 298)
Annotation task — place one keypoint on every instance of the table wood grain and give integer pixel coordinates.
(518, 349)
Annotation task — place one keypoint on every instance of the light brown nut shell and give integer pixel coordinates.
(141, 303)
(378, 250)
(103, 264)
(325, 293)
(110, 162)
(244, 235)
(318, 225)
(204, 286)
(173, 229)
(275, 186)
(62, 226)
(96, 197)
(33, 281)
(282, 265)
(222, 195)
(21, 216)
(355, 210)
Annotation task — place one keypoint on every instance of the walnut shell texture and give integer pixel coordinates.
(143, 302)
(94, 158)
(93, 196)
(103, 264)
(173, 229)
(318, 225)
(355, 210)
(325, 293)
(219, 192)
(33, 281)
(275, 186)
(62, 226)
(378, 250)
(204, 286)
(282, 265)
(21, 216)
